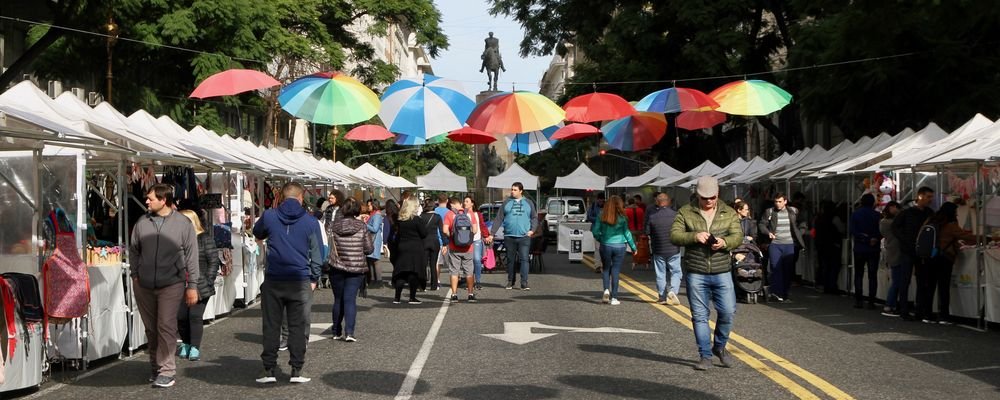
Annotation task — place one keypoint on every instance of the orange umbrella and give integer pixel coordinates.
(469, 135)
(575, 131)
(367, 133)
(597, 107)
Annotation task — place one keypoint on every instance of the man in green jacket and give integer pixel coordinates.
(708, 231)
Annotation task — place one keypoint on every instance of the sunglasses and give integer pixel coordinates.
(709, 198)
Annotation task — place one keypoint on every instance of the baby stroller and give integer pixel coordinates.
(749, 273)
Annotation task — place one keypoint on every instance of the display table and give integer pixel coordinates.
(106, 324)
(963, 284)
(991, 264)
(24, 369)
(564, 231)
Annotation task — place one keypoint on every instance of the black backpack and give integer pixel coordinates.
(25, 288)
(927, 241)
(461, 230)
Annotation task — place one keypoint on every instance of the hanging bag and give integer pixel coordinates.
(67, 285)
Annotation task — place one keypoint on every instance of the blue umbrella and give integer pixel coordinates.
(532, 142)
(425, 106)
(407, 140)
(675, 100)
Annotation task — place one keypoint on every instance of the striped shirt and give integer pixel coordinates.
(783, 232)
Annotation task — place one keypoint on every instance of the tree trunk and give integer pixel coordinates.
(29, 56)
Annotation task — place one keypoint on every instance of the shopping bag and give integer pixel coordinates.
(489, 258)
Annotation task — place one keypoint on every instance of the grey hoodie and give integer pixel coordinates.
(165, 255)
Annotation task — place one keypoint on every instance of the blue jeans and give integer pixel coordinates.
(890, 298)
(612, 256)
(345, 300)
(477, 260)
(782, 268)
(517, 247)
(904, 273)
(660, 263)
(719, 289)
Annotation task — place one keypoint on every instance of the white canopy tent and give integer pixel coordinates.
(932, 133)
(967, 134)
(582, 178)
(659, 171)
(369, 171)
(442, 179)
(706, 168)
(514, 173)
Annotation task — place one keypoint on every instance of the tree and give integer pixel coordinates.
(287, 38)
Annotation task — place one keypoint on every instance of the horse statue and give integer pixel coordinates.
(492, 62)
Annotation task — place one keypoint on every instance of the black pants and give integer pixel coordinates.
(190, 324)
(279, 300)
(432, 260)
(829, 265)
(861, 259)
(403, 279)
(934, 274)
(373, 273)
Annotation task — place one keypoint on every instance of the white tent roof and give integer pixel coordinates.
(706, 168)
(974, 129)
(659, 171)
(734, 168)
(582, 178)
(369, 171)
(441, 178)
(27, 103)
(514, 173)
(930, 134)
(774, 166)
(982, 149)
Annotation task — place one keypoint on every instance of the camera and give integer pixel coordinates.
(712, 240)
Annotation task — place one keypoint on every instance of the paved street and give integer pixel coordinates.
(558, 341)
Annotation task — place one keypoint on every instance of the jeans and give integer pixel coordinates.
(890, 298)
(279, 299)
(860, 260)
(517, 251)
(782, 268)
(345, 300)
(660, 264)
(477, 260)
(612, 256)
(906, 264)
(719, 289)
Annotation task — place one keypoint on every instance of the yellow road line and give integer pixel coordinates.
(821, 384)
(779, 378)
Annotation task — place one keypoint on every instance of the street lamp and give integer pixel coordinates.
(111, 28)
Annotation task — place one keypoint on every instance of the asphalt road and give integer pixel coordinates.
(549, 342)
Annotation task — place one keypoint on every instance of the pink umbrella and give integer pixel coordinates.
(368, 133)
(231, 82)
(692, 120)
(575, 131)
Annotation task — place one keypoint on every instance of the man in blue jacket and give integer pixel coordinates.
(294, 258)
(520, 220)
(864, 230)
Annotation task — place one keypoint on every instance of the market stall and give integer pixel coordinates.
(442, 179)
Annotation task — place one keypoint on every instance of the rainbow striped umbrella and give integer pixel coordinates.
(636, 132)
(752, 97)
(426, 106)
(329, 98)
(515, 112)
(675, 100)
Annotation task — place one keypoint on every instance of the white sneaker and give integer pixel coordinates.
(615, 302)
(606, 296)
(672, 299)
(350, 338)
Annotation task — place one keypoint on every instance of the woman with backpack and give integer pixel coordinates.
(936, 273)
(351, 242)
(189, 318)
(612, 232)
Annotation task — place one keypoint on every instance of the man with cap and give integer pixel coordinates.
(708, 231)
(780, 226)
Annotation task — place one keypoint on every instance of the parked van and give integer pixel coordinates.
(564, 209)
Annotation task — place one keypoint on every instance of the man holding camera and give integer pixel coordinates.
(708, 231)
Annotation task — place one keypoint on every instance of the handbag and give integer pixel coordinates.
(489, 259)
(331, 258)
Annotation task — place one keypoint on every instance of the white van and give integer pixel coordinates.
(564, 209)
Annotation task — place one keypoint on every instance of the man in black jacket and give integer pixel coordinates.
(163, 258)
(780, 225)
(906, 226)
(665, 253)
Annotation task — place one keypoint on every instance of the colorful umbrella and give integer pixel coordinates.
(426, 106)
(369, 132)
(515, 112)
(637, 132)
(532, 142)
(471, 136)
(597, 107)
(231, 82)
(675, 100)
(575, 131)
(692, 120)
(407, 140)
(329, 98)
(752, 97)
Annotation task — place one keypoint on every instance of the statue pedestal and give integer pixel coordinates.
(484, 194)
(486, 94)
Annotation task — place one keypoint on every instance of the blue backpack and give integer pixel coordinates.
(461, 230)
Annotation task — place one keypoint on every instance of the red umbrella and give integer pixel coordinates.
(597, 107)
(692, 120)
(233, 81)
(575, 131)
(366, 133)
(471, 136)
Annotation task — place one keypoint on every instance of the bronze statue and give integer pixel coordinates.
(492, 164)
(492, 62)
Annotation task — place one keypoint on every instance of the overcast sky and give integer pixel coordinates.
(467, 23)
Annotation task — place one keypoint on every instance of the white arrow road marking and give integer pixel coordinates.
(521, 332)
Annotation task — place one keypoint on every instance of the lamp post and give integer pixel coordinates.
(111, 28)
(605, 153)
